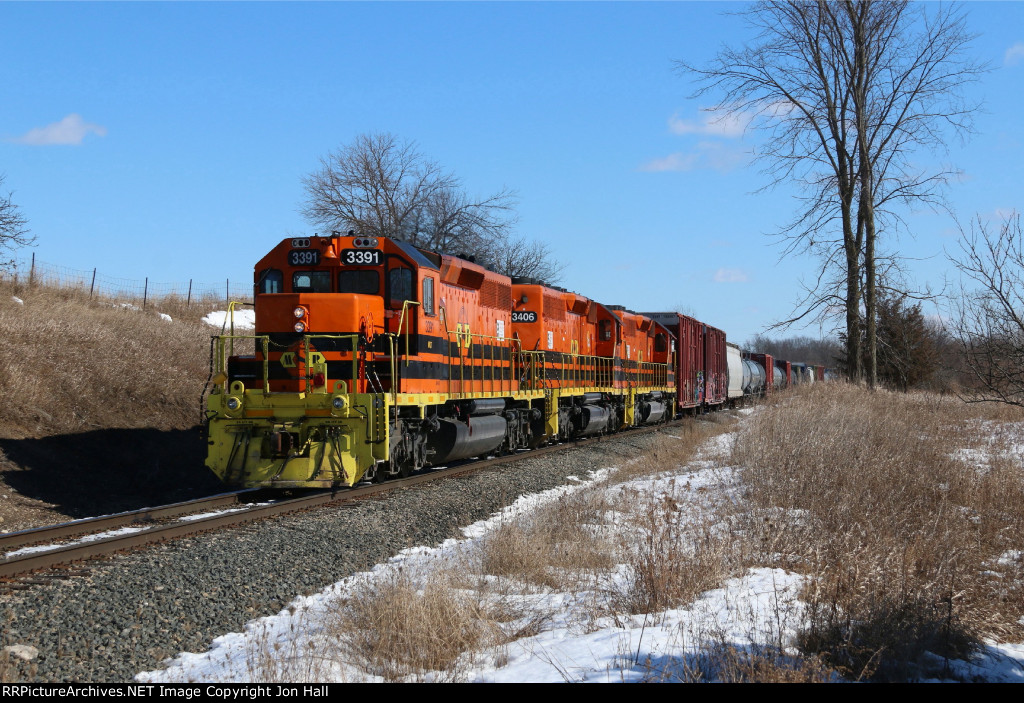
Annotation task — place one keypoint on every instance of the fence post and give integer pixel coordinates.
(32, 270)
(145, 292)
(93, 284)
(188, 303)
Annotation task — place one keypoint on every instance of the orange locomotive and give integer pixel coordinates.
(373, 358)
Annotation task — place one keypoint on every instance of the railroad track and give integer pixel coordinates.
(16, 570)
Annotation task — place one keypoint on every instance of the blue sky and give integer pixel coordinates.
(170, 140)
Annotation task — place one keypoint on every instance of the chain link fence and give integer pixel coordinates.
(92, 282)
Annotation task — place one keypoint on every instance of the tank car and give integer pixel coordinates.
(739, 373)
(762, 376)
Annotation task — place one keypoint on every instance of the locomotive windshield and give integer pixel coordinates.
(355, 281)
(271, 281)
(400, 285)
(311, 282)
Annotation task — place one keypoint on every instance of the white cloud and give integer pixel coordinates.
(724, 275)
(706, 155)
(719, 124)
(70, 130)
(673, 162)
(1014, 54)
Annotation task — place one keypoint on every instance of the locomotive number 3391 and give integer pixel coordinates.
(361, 257)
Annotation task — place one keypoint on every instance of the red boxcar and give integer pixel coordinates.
(702, 373)
(716, 366)
(689, 353)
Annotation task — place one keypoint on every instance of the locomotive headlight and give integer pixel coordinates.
(234, 403)
(338, 402)
(299, 313)
(300, 327)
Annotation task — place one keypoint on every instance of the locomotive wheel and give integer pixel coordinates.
(405, 469)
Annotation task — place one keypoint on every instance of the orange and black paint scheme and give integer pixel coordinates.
(372, 358)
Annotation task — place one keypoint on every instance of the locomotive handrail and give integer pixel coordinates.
(231, 316)
(394, 363)
(532, 363)
(353, 338)
(585, 370)
(401, 323)
(225, 345)
(489, 347)
(220, 360)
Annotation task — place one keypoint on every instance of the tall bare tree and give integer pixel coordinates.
(844, 92)
(987, 318)
(14, 231)
(380, 185)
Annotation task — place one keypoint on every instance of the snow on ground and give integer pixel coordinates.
(574, 641)
(245, 319)
(997, 439)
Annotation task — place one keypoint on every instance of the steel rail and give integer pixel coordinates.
(26, 563)
(76, 528)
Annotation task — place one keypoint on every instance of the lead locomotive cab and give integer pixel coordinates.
(341, 286)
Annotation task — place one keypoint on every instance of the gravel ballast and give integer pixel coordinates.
(135, 611)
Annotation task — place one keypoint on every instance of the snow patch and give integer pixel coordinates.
(243, 319)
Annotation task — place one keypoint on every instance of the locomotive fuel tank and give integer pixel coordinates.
(454, 440)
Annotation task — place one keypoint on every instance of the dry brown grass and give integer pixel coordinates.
(863, 492)
(560, 545)
(722, 662)
(672, 558)
(399, 630)
(674, 552)
(70, 363)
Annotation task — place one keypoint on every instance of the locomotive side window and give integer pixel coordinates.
(605, 330)
(270, 281)
(311, 282)
(356, 281)
(428, 295)
(660, 343)
(399, 286)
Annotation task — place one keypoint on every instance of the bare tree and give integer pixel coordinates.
(532, 259)
(454, 222)
(377, 186)
(380, 185)
(844, 93)
(987, 318)
(14, 231)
